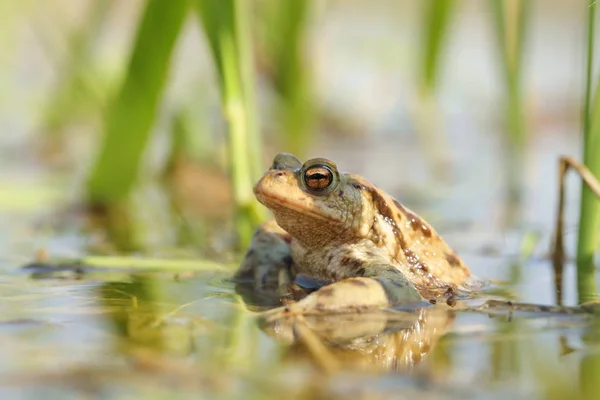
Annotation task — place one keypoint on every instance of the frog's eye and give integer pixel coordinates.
(318, 176)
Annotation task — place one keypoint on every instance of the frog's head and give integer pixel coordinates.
(314, 202)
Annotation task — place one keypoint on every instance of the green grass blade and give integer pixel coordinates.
(246, 53)
(433, 142)
(226, 30)
(130, 116)
(80, 89)
(285, 29)
(510, 18)
(589, 218)
(589, 65)
(437, 18)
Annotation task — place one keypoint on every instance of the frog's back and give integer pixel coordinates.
(415, 248)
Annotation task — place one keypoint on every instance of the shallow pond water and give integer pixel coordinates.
(130, 333)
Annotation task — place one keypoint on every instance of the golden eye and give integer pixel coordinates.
(318, 177)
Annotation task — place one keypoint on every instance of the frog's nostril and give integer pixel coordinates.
(279, 174)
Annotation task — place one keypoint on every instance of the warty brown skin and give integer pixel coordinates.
(345, 230)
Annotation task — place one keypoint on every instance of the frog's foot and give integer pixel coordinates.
(352, 295)
(268, 260)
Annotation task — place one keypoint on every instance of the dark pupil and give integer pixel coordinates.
(318, 179)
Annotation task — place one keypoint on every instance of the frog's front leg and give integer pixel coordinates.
(377, 291)
(268, 261)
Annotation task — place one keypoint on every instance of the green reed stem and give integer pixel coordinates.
(80, 89)
(226, 27)
(130, 116)
(437, 19)
(510, 17)
(589, 218)
(285, 31)
(246, 61)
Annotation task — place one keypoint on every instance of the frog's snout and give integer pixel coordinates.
(275, 184)
(257, 186)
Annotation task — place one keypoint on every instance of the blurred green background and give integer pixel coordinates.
(199, 95)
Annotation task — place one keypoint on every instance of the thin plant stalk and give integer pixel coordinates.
(510, 17)
(245, 48)
(589, 218)
(284, 32)
(436, 21)
(591, 182)
(224, 28)
(130, 116)
(239, 157)
(78, 90)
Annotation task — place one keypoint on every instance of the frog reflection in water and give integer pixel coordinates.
(340, 234)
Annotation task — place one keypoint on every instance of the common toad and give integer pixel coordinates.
(349, 241)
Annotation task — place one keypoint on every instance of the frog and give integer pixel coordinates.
(346, 244)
